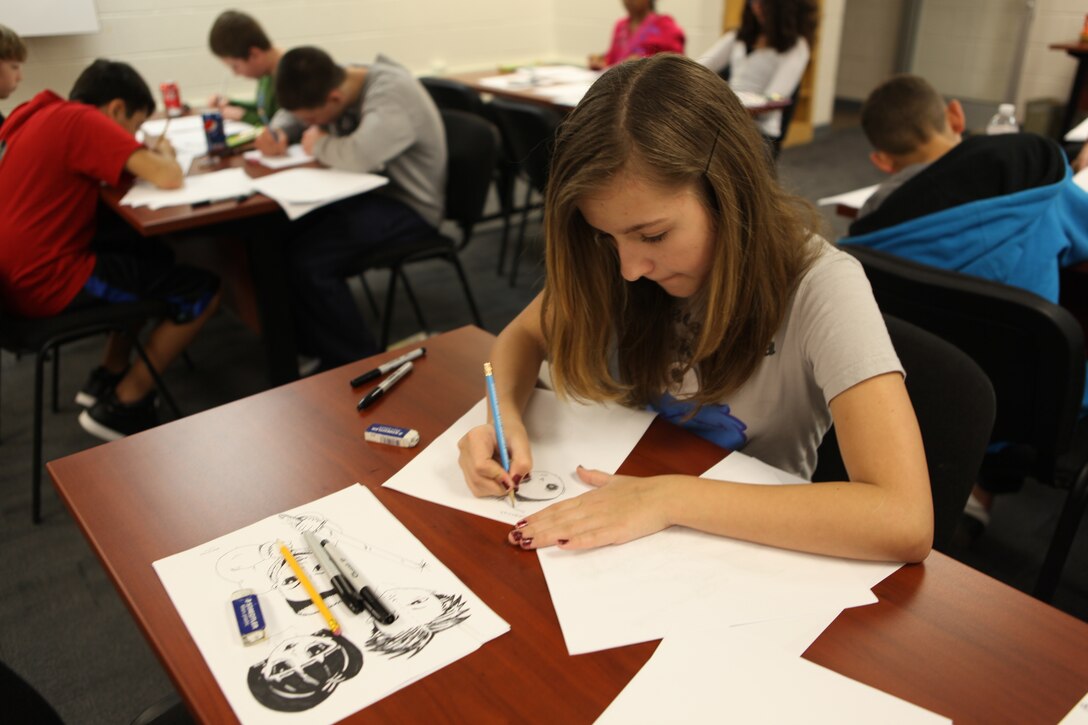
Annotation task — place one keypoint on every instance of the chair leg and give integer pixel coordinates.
(519, 247)
(1072, 512)
(188, 360)
(36, 476)
(456, 262)
(369, 295)
(505, 186)
(56, 378)
(399, 271)
(159, 384)
(387, 313)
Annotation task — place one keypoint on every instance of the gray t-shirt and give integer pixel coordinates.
(394, 130)
(833, 338)
(889, 186)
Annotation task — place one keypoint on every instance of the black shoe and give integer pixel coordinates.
(99, 384)
(110, 419)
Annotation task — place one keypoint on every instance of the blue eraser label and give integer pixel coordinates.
(391, 435)
(247, 610)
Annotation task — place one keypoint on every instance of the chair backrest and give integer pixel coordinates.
(452, 96)
(955, 406)
(529, 132)
(1031, 349)
(473, 145)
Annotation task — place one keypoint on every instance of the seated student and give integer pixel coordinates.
(681, 276)
(768, 53)
(54, 257)
(239, 41)
(641, 34)
(1001, 207)
(12, 57)
(366, 118)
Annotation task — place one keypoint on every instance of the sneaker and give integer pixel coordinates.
(110, 419)
(99, 383)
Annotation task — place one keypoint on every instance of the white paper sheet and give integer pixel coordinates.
(1079, 133)
(295, 156)
(1078, 715)
(186, 133)
(300, 667)
(300, 191)
(735, 676)
(1081, 178)
(563, 436)
(854, 199)
(210, 187)
(647, 588)
(540, 77)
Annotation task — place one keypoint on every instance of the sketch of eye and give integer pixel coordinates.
(540, 486)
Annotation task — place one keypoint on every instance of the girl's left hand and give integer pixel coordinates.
(622, 508)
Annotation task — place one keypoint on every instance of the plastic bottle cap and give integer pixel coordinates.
(1006, 109)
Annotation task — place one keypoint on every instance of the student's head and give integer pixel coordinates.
(782, 21)
(240, 42)
(308, 84)
(12, 57)
(907, 121)
(117, 90)
(639, 7)
(661, 201)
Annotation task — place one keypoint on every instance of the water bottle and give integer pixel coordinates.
(1004, 121)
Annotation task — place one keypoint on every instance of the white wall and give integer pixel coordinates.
(868, 51)
(1049, 73)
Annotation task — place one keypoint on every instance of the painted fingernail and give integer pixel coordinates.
(526, 542)
(563, 541)
(517, 479)
(515, 535)
(521, 524)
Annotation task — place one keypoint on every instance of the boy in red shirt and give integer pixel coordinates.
(54, 156)
(12, 57)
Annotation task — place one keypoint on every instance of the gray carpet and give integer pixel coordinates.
(77, 643)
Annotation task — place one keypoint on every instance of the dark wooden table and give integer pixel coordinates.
(1078, 91)
(942, 636)
(257, 279)
(473, 81)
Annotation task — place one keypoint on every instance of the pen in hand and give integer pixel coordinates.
(500, 437)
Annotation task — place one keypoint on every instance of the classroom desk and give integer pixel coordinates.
(1077, 92)
(942, 636)
(472, 80)
(262, 276)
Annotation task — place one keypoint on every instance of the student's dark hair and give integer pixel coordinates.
(12, 46)
(784, 22)
(105, 80)
(902, 113)
(672, 123)
(233, 34)
(304, 78)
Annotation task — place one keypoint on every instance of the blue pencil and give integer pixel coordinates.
(500, 438)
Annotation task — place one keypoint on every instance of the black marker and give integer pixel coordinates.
(339, 583)
(386, 367)
(370, 599)
(384, 386)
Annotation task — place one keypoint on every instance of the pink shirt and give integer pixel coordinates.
(656, 34)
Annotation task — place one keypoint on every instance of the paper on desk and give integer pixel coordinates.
(294, 157)
(681, 575)
(300, 671)
(749, 99)
(1081, 178)
(854, 199)
(186, 133)
(1078, 715)
(563, 436)
(1079, 133)
(733, 675)
(214, 186)
(539, 77)
(300, 191)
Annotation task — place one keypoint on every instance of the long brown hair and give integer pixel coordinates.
(677, 124)
(784, 21)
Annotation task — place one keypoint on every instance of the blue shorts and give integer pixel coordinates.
(128, 270)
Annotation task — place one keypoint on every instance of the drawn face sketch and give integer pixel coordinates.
(420, 614)
(284, 580)
(540, 486)
(302, 672)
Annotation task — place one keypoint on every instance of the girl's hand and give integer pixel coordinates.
(623, 508)
(479, 458)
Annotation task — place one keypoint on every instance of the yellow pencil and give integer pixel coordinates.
(308, 585)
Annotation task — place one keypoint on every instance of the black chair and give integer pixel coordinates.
(529, 131)
(43, 337)
(473, 144)
(955, 406)
(23, 703)
(453, 96)
(1033, 352)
